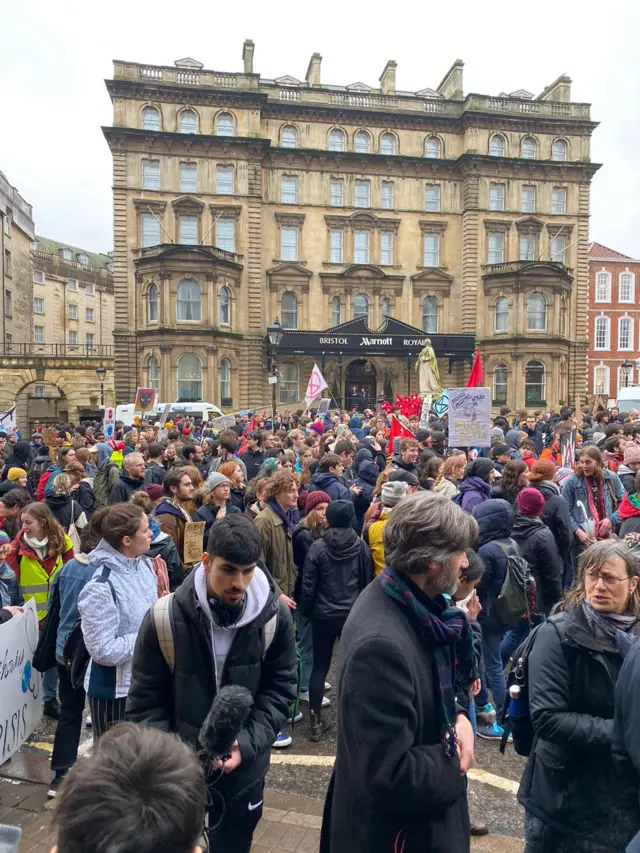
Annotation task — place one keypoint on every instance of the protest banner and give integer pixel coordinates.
(193, 536)
(441, 405)
(469, 417)
(145, 401)
(317, 384)
(20, 683)
(224, 422)
(568, 448)
(8, 420)
(109, 423)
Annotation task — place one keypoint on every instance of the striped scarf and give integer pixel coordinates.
(446, 634)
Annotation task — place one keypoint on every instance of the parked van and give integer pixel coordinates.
(628, 398)
(189, 410)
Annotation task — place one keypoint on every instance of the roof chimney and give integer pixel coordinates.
(388, 78)
(313, 71)
(559, 90)
(451, 85)
(247, 55)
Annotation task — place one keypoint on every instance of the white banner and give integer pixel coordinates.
(20, 683)
(316, 385)
(469, 417)
(8, 420)
(224, 422)
(109, 423)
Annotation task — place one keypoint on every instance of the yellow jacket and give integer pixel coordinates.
(372, 535)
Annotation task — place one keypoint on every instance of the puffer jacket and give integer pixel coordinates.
(398, 462)
(65, 509)
(495, 520)
(331, 484)
(473, 491)
(627, 478)
(539, 550)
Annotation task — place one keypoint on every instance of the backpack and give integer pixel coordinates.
(37, 469)
(75, 654)
(516, 715)
(517, 595)
(103, 481)
(42, 484)
(161, 615)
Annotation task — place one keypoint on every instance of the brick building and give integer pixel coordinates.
(614, 315)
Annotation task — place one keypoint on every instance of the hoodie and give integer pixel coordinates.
(19, 458)
(331, 484)
(627, 478)
(63, 507)
(473, 491)
(398, 462)
(111, 615)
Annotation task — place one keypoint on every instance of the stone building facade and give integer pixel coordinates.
(240, 199)
(16, 238)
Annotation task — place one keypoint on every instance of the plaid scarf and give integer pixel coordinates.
(446, 633)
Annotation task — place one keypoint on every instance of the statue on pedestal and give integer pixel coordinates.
(428, 375)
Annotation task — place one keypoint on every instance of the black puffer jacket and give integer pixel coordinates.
(366, 480)
(60, 506)
(541, 552)
(556, 516)
(495, 520)
(123, 488)
(337, 569)
(411, 467)
(571, 781)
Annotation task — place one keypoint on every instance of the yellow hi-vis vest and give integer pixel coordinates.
(35, 582)
(373, 539)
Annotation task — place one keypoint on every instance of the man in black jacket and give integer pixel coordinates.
(228, 626)
(131, 479)
(154, 469)
(254, 456)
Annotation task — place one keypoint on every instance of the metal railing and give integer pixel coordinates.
(31, 350)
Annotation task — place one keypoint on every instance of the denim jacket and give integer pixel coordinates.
(574, 489)
(70, 581)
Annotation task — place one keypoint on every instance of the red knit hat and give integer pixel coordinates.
(314, 499)
(317, 427)
(530, 502)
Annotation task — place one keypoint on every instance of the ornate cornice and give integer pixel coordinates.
(143, 205)
(432, 226)
(289, 218)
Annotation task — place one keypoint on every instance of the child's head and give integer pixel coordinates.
(469, 577)
(5, 545)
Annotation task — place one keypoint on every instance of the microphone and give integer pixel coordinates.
(227, 715)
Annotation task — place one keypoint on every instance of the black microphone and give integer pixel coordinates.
(226, 717)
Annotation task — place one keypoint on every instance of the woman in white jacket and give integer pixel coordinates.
(112, 605)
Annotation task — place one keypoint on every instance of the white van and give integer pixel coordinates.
(628, 398)
(189, 410)
(125, 413)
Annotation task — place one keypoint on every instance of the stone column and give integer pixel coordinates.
(518, 385)
(211, 392)
(166, 392)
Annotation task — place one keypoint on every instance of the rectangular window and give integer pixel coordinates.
(38, 334)
(386, 195)
(363, 194)
(188, 177)
(38, 305)
(73, 284)
(625, 333)
(224, 180)
(527, 247)
(38, 390)
(188, 230)
(558, 249)
(528, 199)
(361, 247)
(89, 315)
(8, 303)
(289, 244)
(601, 381)
(226, 234)
(431, 250)
(558, 200)
(38, 277)
(496, 247)
(289, 190)
(6, 223)
(603, 287)
(496, 197)
(625, 283)
(7, 262)
(337, 192)
(386, 247)
(73, 339)
(336, 236)
(150, 174)
(72, 311)
(89, 340)
(601, 336)
(88, 290)
(432, 198)
(150, 230)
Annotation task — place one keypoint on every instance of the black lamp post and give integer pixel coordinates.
(274, 333)
(101, 370)
(627, 367)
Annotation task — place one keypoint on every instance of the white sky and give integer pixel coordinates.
(55, 56)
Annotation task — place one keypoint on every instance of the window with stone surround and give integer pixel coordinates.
(289, 137)
(362, 142)
(150, 230)
(388, 144)
(189, 375)
(386, 248)
(336, 238)
(496, 197)
(500, 372)
(226, 234)
(150, 174)
(289, 189)
(559, 200)
(432, 148)
(430, 315)
(432, 198)
(337, 192)
(495, 243)
(336, 140)
(152, 303)
(289, 310)
(528, 148)
(386, 195)
(224, 125)
(528, 199)
(602, 333)
(188, 177)
(363, 194)
(361, 307)
(224, 180)
(336, 311)
(189, 301)
(153, 373)
(431, 250)
(501, 314)
(150, 119)
(361, 244)
(288, 243)
(188, 122)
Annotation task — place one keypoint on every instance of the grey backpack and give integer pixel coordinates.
(516, 598)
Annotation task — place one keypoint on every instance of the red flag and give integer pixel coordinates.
(475, 379)
(398, 430)
(249, 428)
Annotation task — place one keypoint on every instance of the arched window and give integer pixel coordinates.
(225, 383)
(152, 303)
(188, 122)
(528, 148)
(289, 383)
(386, 308)
(432, 147)
(559, 150)
(601, 380)
(150, 119)
(534, 384)
(189, 378)
(536, 312)
(603, 286)
(500, 384)
(336, 140)
(496, 146)
(289, 310)
(430, 314)
(363, 142)
(224, 125)
(501, 314)
(289, 137)
(225, 307)
(336, 311)
(153, 373)
(189, 300)
(361, 306)
(387, 143)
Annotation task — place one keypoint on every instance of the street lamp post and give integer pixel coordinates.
(101, 370)
(274, 334)
(627, 367)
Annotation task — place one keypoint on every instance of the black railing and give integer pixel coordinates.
(32, 350)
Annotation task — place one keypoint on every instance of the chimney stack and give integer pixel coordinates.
(313, 71)
(247, 55)
(388, 78)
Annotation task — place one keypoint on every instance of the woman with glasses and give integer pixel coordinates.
(576, 799)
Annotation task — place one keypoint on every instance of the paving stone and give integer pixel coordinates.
(292, 838)
(273, 834)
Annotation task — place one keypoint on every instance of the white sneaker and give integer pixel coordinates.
(88, 722)
(326, 702)
(282, 741)
(327, 686)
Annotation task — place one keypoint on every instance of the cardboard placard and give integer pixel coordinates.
(226, 421)
(469, 417)
(145, 401)
(193, 536)
(50, 436)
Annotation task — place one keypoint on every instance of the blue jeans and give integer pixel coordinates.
(50, 684)
(513, 638)
(493, 671)
(305, 648)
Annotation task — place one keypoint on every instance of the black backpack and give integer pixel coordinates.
(75, 654)
(39, 465)
(517, 595)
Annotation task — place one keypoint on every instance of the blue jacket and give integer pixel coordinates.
(574, 489)
(473, 491)
(329, 483)
(495, 520)
(9, 589)
(70, 581)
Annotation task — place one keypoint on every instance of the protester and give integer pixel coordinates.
(515, 476)
(217, 503)
(227, 448)
(20, 457)
(131, 479)
(16, 479)
(171, 512)
(10, 597)
(11, 506)
(253, 456)
(154, 468)
(327, 479)
(233, 472)
(575, 797)
(476, 485)
(40, 463)
(81, 486)
(453, 473)
(363, 487)
(275, 524)
(630, 466)
(539, 549)
(373, 533)
(555, 513)
(407, 456)
(162, 545)
(254, 497)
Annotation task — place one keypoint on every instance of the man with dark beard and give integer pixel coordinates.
(404, 745)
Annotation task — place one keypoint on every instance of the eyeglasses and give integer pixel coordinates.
(608, 580)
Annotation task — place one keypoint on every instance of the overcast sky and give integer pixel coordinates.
(55, 57)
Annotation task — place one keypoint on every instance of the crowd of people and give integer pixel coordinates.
(433, 566)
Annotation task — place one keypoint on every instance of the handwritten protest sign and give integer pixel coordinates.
(469, 417)
(193, 536)
(20, 683)
(224, 422)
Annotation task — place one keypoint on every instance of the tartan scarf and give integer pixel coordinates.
(446, 634)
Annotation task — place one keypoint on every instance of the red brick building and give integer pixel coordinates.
(613, 322)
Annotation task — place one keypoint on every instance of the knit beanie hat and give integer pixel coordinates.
(562, 474)
(500, 449)
(496, 432)
(530, 502)
(4, 537)
(317, 428)
(314, 499)
(341, 514)
(216, 479)
(15, 474)
(631, 454)
(393, 492)
(480, 468)
(154, 490)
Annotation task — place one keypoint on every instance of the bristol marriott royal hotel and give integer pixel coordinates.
(384, 214)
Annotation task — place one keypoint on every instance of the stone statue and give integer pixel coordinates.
(428, 375)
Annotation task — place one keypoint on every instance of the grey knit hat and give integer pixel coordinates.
(215, 479)
(393, 492)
